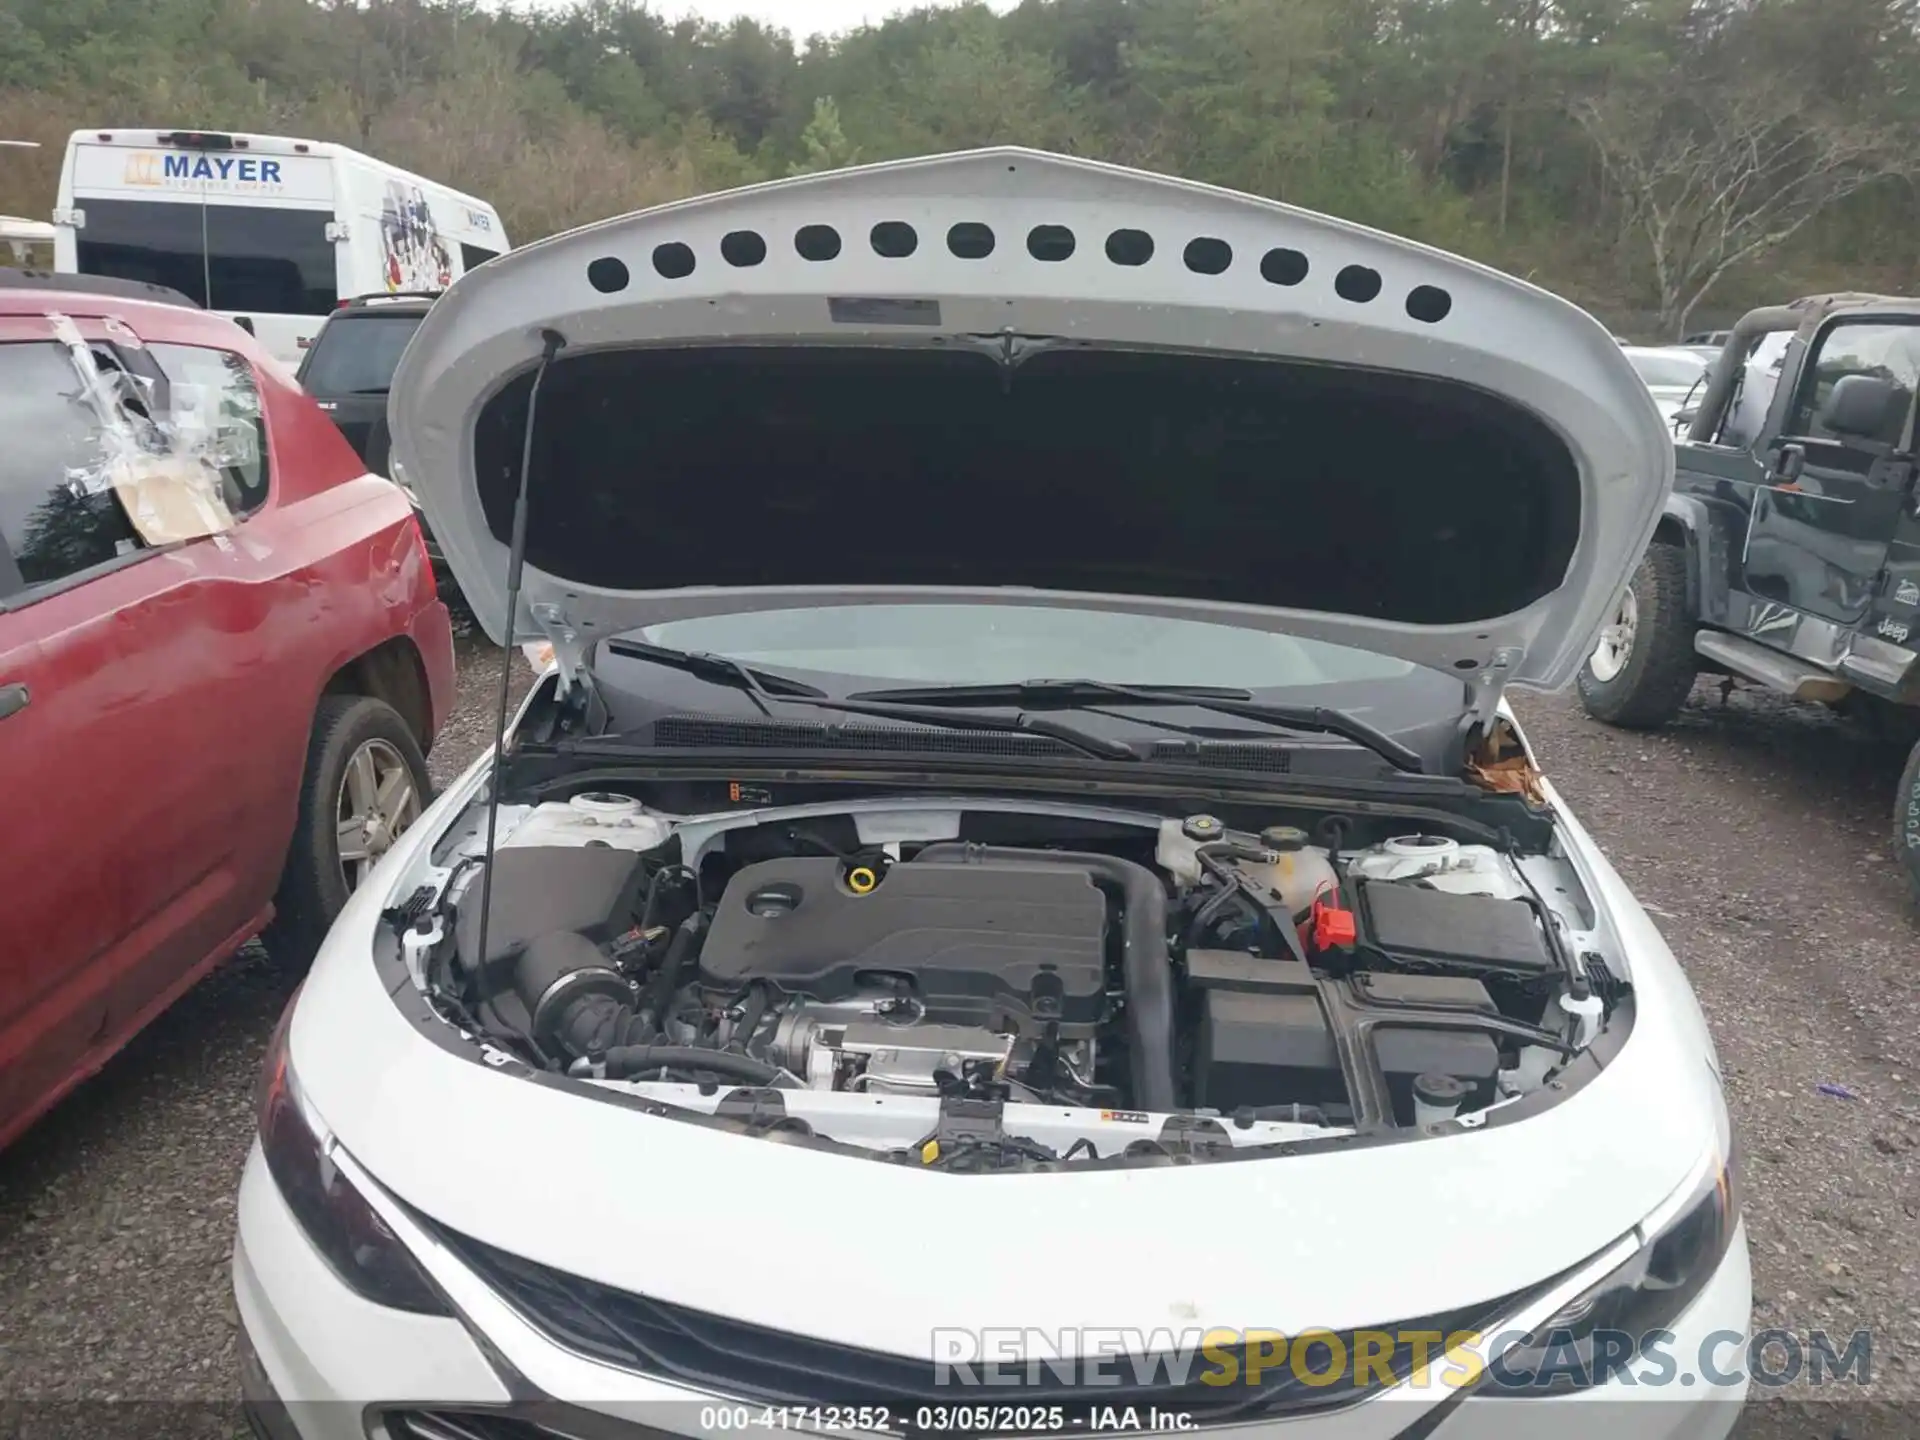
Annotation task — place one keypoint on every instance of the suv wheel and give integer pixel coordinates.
(1906, 823)
(365, 783)
(1640, 673)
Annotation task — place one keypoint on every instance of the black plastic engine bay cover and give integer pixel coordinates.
(972, 942)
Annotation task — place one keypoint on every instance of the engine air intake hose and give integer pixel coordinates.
(578, 1003)
(1145, 964)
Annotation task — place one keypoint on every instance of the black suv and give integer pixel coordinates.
(1789, 554)
(348, 370)
(349, 366)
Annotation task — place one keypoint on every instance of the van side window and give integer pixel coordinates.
(57, 518)
(259, 258)
(216, 401)
(1884, 349)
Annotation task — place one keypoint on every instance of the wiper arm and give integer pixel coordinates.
(763, 686)
(1085, 741)
(1084, 694)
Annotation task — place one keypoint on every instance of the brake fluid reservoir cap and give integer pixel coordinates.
(1202, 828)
(1439, 1090)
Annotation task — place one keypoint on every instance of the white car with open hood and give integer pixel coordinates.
(1017, 901)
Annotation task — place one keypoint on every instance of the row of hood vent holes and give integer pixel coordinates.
(969, 240)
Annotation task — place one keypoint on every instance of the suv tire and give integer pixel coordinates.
(1906, 823)
(362, 764)
(1643, 668)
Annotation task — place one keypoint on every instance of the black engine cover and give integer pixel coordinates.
(976, 943)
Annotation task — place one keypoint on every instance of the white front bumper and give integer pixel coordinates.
(324, 1351)
(332, 1360)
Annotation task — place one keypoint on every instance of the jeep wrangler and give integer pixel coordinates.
(1789, 554)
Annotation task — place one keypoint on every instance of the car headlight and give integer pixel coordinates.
(355, 1242)
(1597, 1334)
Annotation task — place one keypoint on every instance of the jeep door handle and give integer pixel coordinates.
(1789, 465)
(13, 699)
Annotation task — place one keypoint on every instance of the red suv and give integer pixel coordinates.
(222, 660)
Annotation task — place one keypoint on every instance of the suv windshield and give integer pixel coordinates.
(355, 353)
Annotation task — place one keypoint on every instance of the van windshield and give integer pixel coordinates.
(257, 258)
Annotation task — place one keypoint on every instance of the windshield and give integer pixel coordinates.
(226, 257)
(864, 646)
(1667, 369)
(356, 354)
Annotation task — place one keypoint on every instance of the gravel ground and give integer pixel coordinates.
(1757, 832)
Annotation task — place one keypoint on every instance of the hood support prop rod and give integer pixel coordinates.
(551, 344)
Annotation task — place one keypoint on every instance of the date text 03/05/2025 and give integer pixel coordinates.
(983, 1419)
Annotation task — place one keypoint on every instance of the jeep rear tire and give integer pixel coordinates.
(1643, 667)
(365, 782)
(1906, 823)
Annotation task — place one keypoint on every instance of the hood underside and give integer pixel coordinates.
(1005, 374)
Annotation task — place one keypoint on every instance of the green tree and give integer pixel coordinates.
(1756, 127)
(1592, 145)
(823, 143)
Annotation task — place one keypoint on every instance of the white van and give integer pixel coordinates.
(26, 243)
(270, 230)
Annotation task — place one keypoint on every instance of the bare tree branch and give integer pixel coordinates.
(1710, 173)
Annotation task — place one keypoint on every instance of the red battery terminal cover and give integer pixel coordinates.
(1332, 927)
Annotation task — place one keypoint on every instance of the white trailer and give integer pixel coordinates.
(270, 230)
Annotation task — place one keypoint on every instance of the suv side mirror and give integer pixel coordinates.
(1866, 407)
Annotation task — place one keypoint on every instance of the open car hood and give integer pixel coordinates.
(1009, 376)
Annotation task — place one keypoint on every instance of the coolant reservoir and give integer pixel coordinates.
(615, 820)
(1296, 873)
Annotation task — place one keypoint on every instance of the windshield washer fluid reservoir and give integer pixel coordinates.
(615, 821)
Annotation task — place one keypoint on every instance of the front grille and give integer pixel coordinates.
(546, 1420)
(459, 1425)
(738, 1361)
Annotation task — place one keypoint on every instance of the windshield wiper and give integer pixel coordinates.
(757, 683)
(1087, 694)
(763, 686)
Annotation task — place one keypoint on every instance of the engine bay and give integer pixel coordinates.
(982, 988)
